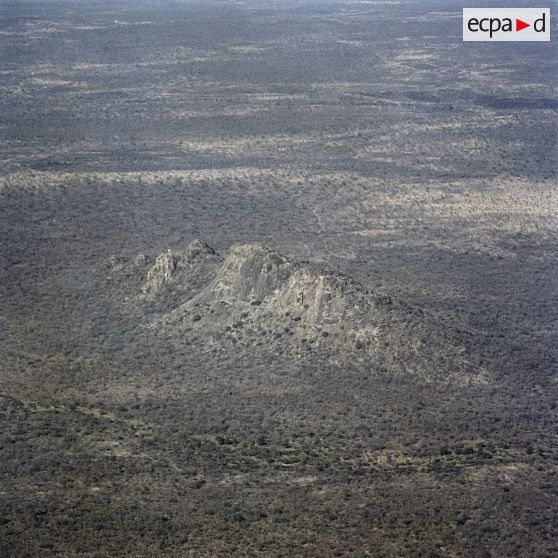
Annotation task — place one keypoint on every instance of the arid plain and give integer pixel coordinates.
(356, 358)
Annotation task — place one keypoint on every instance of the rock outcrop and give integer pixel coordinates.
(180, 272)
(163, 270)
(256, 274)
(256, 297)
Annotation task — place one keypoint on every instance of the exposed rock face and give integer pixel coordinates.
(160, 273)
(180, 272)
(249, 273)
(255, 299)
(258, 274)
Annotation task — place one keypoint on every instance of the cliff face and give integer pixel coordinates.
(255, 297)
(180, 273)
(257, 275)
(162, 272)
(250, 273)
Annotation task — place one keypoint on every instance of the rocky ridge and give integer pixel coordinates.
(255, 299)
(184, 273)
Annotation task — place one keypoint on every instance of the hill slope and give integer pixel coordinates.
(257, 301)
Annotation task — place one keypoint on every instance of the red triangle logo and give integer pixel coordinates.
(519, 25)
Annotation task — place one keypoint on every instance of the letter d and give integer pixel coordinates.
(540, 24)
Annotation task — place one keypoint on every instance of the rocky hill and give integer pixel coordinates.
(257, 301)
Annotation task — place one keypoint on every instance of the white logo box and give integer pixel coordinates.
(506, 24)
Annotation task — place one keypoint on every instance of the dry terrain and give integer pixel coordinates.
(277, 279)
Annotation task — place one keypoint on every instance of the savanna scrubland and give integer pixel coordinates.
(276, 279)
